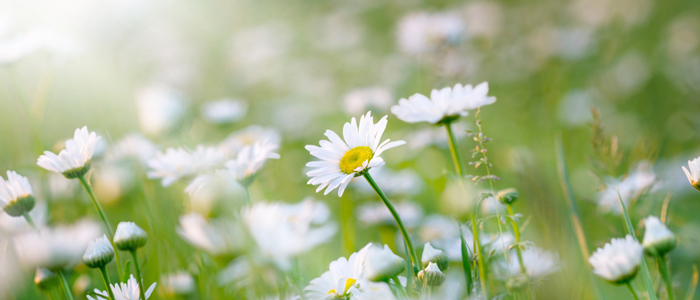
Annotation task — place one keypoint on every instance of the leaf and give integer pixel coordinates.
(466, 262)
(127, 271)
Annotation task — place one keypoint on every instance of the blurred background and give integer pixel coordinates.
(183, 73)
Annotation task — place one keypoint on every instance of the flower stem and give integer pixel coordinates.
(629, 286)
(480, 260)
(644, 270)
(64, 283)
(99, 210)
(135, 259)
(29, 220)
(406, 237)
(105, 277)
(661, 260)
(516, 232)
(454, 151)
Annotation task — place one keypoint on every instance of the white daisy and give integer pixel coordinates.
(125, 291)
(342, 160)
(16, 196)
(422, 32)
(444, 105)
(538, 264)
(62, 246)
(213, 236)
(177, 283)
(74, 161)
(694, 173)
(360, 100)
(283, 231)
(133, 146)
(641, 180)
(658, 239)
(342, 280)
(251, 159)
(160, 109)
(246, 137)
(177, 163)
(224, 111)
(618, 260)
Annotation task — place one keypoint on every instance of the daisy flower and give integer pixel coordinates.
(694, 173)
(342, 280)
(177, 163)
(618, 261)
(343, 159)
(538, 264)
(124, 291)
(224, 111)
(132, 147)
(444, 105)
(16, 197)
(251, 159)
(246, 137)
(58, 247)
(215, 237)
(74, 161)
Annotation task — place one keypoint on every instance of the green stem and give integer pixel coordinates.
(406, 238)
(644, 269)
(64, 283)
(454, 151)
(629, 286)
(105, 277)
(101, 212)
(661, 260)
(480, 260)
(135, 259)
(29, 220)
(516, 232)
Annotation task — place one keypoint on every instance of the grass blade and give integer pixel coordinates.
(466, 263)
(644, 269)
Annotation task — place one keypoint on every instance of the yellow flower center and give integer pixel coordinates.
(348, 283)
(354, 158)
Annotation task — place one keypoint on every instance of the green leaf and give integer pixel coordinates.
(466, 262)
(127, 271)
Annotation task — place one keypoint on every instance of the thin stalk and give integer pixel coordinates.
(454, 151)
(135, 259)
(406, 237)
(629, 286)
(29, 220)
(693, 284)
(101, 212)
(105, 277)
(400, 288)
(663, 269)
(64, 283)
(644, 269)
(516, 232)
(480, 260)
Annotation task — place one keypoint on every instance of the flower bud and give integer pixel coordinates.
(432, 275)
(382, 264)
(433, 255)
(129, 236)
(16, 195)
(99, 253)
(508, 196)
(658, 239)
(20, 206)
(45, 279)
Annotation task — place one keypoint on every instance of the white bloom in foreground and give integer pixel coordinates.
(538, 264)
(160, 109)
(16, 197)
(215, 236)
(251, 159)
(178, 163)
(371, 214)
(361, 100)
(99, 253)
(247, 137)
(658, 239)
(283, 231)
(618, 260)
(74, 161)
(381, 264)
(694, 173)
(224, 111)
(342, 280)
(129, 236)
(133, 146)
(57, 247)
(641, 180)
(124, 291)
(341, 161)
(178, 283)
(444, 105)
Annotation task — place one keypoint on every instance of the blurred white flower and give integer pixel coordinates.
(12, 225)
(111, 181)
(251, 159)
(372, 214)
(58, 45)
(133, 146)
(382, 264)
(224, 111)
(341, 161)
(160, 109)
(216, 236)
(74, 160)
(658, 239)
(16, 197)
(361, 100)
(483, 18)
(422, 32)
(342, 280)
(399, 182)
(99, 253)
(206, 190)
(124, 291)
(374, 291)
(51, 248)
(641, 180)
(177, 163)
(283, 231)
(497, 243)
(177, 283)
(490, 206)
(538, 264)
(694, 173)
(424, 137)
(618, 260)
(248, 137)
(443, 105)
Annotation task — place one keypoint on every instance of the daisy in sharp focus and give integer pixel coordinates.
(74, 161)
(124, 291)
(443, 106)
(342, 280)
(343, 159)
